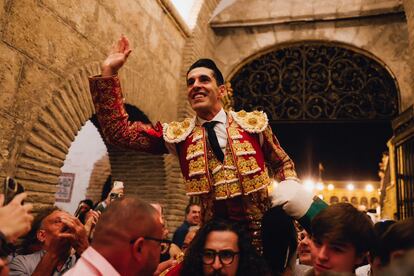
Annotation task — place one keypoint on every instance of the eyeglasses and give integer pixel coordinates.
(226, 257)
(164, 244)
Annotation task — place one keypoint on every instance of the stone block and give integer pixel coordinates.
(10, 66)
(39, 33)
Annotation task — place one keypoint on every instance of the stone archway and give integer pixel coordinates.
(334, 86)
(39, 163)
(313, 80)
(42, 156)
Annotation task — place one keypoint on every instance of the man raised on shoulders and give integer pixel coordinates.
(224, 156)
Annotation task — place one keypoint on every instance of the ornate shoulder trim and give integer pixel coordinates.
(176, 132)
(253, 122)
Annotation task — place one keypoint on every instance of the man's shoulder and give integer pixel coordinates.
(183, 227)
(177, 131)
(25, 264)
(253, 122)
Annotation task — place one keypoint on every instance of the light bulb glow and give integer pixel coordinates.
(350, 187)
(331, 187)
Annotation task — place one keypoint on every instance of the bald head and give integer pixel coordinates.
(124, 220)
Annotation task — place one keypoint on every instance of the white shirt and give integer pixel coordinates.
(92, 263)
(219, 128)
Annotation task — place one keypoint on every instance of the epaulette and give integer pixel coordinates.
(253, 122)
(176, 132)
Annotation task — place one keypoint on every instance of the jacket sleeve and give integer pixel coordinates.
(276, 158)
(113, 119)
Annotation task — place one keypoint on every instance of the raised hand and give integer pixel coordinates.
(74, 232)
(15, 218)
(91, 219)
(117, 57)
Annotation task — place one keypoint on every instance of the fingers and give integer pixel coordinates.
(127, 53)
(66, 236)
(164, 265)
(17, 200)
(28, 207)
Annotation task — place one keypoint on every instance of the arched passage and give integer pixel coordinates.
(348, 95)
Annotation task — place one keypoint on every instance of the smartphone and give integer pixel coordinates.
(11, 188)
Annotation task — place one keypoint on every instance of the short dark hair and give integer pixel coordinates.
(279, 240)
(188, 208)
(208, 63)
(250, 263)
(400, 236)
(88, 202)
(31, 237)
(343, 223)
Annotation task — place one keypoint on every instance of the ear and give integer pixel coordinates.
(41, 235)
(222, 91)
(396, 255)
(138, 249)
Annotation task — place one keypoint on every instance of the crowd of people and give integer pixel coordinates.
(129, 237)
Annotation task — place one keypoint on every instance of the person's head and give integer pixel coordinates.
(128, 235)
(304, 253)
(192, 231)
(341, 237)
(30, 241)
(83, 207)
(222, 248)
(50, 225)
(160, 211)
(205, 88)
(193, 214)
(374, 259)
(86, 205)
(279, 240)
(396, 241)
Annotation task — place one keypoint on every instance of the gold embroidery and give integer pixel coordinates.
(253, 122)
(197, 166)
(255, 183)
(197, 186)
(175, 132)
(234, 133)
(248, 166)
(197, 134)
(224, 176)
(195, 150)
(243, 148)
(214, 164)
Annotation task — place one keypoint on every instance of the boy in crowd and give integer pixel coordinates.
(341, 238)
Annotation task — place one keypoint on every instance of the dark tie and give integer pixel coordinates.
(212, 138)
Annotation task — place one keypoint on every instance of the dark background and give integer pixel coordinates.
(348, 151)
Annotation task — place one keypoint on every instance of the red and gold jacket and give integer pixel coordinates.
(251, 151)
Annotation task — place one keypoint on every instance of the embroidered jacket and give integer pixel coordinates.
(247, 157)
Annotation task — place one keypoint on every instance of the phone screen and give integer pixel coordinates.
(11, 188)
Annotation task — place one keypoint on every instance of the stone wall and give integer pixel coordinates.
(100, 172)
(384, 38)
(48, 48)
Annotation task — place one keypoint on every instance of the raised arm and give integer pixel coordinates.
(109, 105)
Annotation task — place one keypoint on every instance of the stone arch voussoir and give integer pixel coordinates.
(41, 158)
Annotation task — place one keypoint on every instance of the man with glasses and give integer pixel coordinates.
(127, 241)
(221, 248)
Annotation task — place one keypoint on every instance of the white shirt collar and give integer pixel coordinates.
(220, 117)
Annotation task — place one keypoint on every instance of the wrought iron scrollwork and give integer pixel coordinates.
(316, 81)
